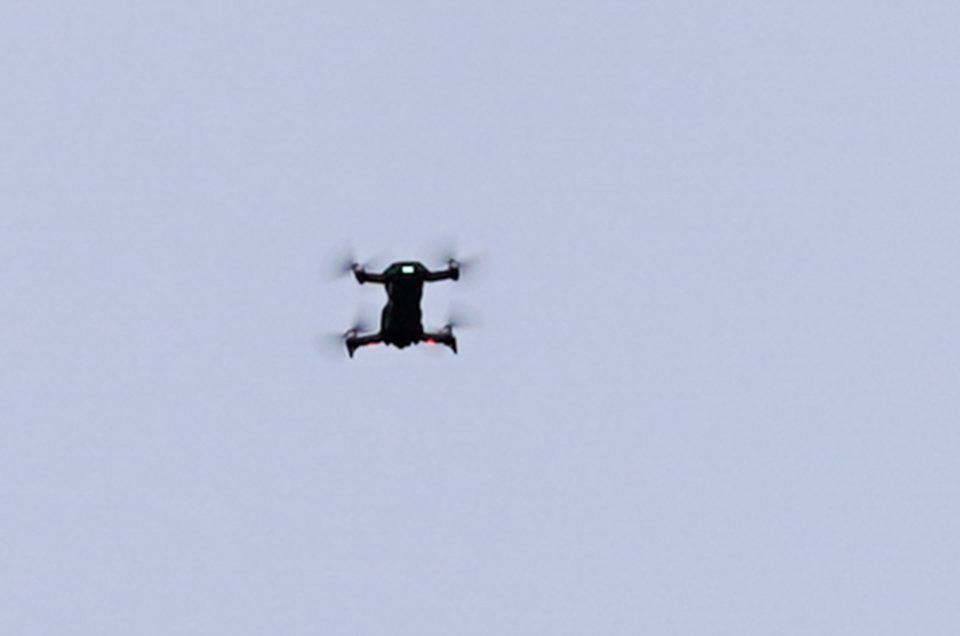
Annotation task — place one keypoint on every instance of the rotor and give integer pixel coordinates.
(461, 316)
(332, 344)
(449, 254)
(344, 262)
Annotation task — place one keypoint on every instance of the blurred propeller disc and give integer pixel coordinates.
(360, 325)
(446, 253)
(333, 344)
(463, 316)
(344, 260)
(341, 262)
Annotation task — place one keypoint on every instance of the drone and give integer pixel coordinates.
(401, 319)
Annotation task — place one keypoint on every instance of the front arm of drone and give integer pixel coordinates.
(364, 276)
(451, 273)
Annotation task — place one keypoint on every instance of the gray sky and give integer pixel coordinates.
(716, 392)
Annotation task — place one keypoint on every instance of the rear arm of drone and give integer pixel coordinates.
(452, 273)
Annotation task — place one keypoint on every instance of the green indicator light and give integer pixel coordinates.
(408, 269)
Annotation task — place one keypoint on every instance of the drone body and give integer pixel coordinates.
(401, 320)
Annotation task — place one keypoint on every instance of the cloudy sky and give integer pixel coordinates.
(716, 388)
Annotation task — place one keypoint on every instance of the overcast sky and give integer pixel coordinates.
(716, 392)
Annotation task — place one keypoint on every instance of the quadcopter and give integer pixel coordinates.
(401, 319)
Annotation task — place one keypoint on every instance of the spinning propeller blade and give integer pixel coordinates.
(344, 261)
(332, 344)
(446, 252)
(463, 316)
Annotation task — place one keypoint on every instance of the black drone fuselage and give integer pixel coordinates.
(401, 321)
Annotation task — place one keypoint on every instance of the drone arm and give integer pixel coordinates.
(451, 273)
(364, 276)
(444, 337)
(355, 342)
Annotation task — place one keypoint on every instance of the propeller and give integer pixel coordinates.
(344, 261)
(447, 252)
(332, 344)
(463, 316)
(359, 325)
